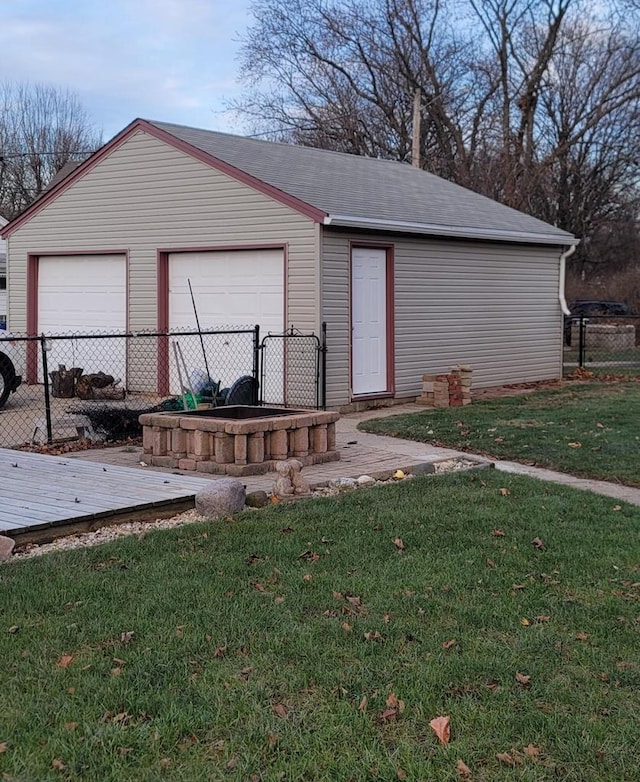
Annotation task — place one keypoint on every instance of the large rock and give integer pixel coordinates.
(6, 547)
(224, 497)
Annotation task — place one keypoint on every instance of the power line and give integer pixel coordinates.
(30, 154)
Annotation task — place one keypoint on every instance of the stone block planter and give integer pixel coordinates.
(239, 439)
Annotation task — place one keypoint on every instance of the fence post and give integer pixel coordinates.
(323, 348)
(256, 364)
(581, 341)
(47, 396)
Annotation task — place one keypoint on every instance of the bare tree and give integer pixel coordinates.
(533, 102)
(41, 129)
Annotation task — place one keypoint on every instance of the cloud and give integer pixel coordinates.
(167, 59)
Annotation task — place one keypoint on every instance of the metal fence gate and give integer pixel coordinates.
(293, 369)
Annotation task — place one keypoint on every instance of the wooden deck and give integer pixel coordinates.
(44, 496)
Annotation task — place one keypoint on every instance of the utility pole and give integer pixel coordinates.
(415, 146)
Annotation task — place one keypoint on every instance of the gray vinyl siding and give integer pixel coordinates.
(146, 195)
(491, 305)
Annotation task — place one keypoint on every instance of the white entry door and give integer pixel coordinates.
(368, 320)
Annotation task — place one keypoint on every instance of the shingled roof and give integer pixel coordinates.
(337, 189)
(370, 193)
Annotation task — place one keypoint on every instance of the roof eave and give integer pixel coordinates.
(455, 232)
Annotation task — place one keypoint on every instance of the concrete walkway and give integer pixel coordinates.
(370, 454)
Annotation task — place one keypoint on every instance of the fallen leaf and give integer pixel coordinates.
(523, 678)
(393, 702)
(274, 499)
(347, 627)
(463, 769)
(372, 636)
(337, 595)
(398, 543)
(3, 746)
(574, 445)
(449, 644)
(617, 507)
(386, 618)
(179, 630)
(232, 763)
(599, 426)
(307, 577)
(116, 671)
(70, 725)
(278, 600)
(498, 533)
(13, 629)
(309, 555)
(363, 703)
(490, 563)
(498, 439)
(165, 762)
(280, 710)
(259, 587)
(220, 651)
(65, 661)
(389, 714)
(525, 622)
(356, 601)
(531, 750)
(581, 637)
(505, 492)
(401, 774)
(505, 757)
(538, 543)
(57, 763)
(542, 618)
(125, 638)
(441, 726)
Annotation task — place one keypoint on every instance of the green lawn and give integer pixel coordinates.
(316, 641)
(590, 430)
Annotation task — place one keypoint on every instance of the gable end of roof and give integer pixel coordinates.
(83, 168)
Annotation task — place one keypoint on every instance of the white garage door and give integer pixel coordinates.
(84, 294)
(234, 289)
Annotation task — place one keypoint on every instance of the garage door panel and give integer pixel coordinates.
(231, 289)
(84, 294)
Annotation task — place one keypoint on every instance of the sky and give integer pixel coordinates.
(168, 60)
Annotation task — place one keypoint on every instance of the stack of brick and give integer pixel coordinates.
(452, 390)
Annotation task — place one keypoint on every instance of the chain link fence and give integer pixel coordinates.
(94, 386)
(605, 346)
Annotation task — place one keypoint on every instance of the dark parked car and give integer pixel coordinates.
(588, 309)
